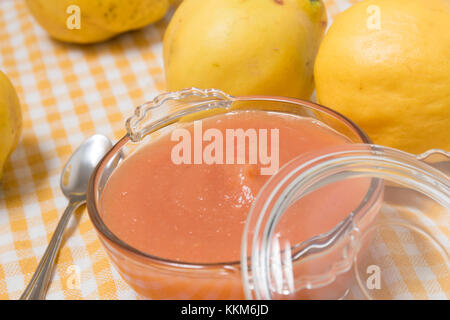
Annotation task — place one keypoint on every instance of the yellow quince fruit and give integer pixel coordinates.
(88, 21)
(10, 120)
(386, 65)
(250, 47)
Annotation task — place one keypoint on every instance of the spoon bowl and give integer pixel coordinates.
(78, 169)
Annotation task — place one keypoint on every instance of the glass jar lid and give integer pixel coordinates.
(357, 222)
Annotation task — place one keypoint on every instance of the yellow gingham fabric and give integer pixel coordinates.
(69, 92)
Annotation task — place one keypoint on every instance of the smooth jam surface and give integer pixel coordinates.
(196, 212)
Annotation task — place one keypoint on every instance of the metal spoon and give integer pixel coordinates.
(73, 182)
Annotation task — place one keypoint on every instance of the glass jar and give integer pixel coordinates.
(257, 275)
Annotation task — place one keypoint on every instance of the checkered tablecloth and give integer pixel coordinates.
(68, 92)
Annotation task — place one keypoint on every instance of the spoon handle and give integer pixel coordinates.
(38, 285)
